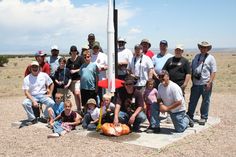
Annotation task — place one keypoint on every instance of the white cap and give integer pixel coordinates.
(34, 63)
(179, 46)
(121, 39)
(54, 47)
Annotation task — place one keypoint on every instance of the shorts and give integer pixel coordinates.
(75, 86)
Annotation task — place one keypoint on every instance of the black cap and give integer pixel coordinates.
(164, 42)
(73, 48)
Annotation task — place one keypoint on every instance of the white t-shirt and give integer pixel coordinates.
(159, 61)
(111, 107)
(124, 55)
(94, 113)
(208, 68)
(36, 85)
(101, 60)
(170, 94)
(140, 66)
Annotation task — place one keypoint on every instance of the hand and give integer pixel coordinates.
(116, 122)
(163, 108)
(183, 86)
(35, 104)
(72, 71)
(66, 86)
(132, 119)
(208, 86)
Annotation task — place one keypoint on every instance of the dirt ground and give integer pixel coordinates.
(219, 140)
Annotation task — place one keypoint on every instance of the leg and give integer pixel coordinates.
(205, 103)
(154, 119)
(92, 126)
(87, 119)
(47, 101)
(51, 115)
(27, 104)
(180, 121)
(123, 117)
(77, 95)
(194, 97)
(141, 117)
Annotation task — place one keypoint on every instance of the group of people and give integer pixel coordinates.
(153, 83)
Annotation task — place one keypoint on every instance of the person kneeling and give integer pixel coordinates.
(171, 100)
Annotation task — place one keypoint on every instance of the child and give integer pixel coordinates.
(150, 97)
(91, 118)
(69, 119)
(62, 78)
(108, 109)
(56, 109)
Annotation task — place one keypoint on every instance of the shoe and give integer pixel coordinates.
(43, 120)
(202, 121)
(191, 122)
(137, 130)
(53, 135)
(153, 130)
(34, 121)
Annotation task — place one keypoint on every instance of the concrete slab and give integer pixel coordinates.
(160, 140)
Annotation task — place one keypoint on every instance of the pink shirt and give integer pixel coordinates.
(150, 96)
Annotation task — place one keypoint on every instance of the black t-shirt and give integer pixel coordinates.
(62, 75)
(73, 65)
(178, 68)
(125, 100)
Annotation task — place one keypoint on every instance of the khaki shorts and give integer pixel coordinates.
(75, 86)
(65, 93)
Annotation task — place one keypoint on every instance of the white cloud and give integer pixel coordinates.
(135, 31)
(41, 23)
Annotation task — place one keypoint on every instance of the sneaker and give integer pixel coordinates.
(202, 121)
(43, 120)
(34, 121)
(153, 130)
(53, 135)
(191, 122)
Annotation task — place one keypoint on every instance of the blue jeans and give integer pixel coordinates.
(86, 122)
(140, 118)
(179, 119)
(27, 104)
(196, 92)
(57, 127)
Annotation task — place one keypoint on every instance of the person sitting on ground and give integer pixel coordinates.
(69, 120)
(129, 106)
(91, 118)
(56, 109)
(63, 79)
(108, 109)
(170, 99)
(44, 67)
(35, 88)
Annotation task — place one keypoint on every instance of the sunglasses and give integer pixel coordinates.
(87, 56)
(57, 97)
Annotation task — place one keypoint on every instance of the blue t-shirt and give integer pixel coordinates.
(159, 61)
(58, 108)
(88, 74)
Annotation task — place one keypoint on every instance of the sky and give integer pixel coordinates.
(30, 25)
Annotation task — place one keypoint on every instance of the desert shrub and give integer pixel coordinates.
(3, 60)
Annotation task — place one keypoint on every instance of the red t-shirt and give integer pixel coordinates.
(149, 53)
(45, 67)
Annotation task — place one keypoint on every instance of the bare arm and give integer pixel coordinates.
(164, 108)
(186, 80)
(116, 114)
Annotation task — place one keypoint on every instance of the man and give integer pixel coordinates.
(91, 40)
(54, 64)
(129, 106)
(124, 57)
(40, 58)
(146, 46)
(101, 60)
(53, 60)
(140, 67)
(35, 88)
(160, 59)
(203, 74)
(178, 68)
(171, 100)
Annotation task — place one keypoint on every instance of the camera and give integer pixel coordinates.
(197, 76)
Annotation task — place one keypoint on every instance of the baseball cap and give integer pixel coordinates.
(179, 46)
(91, 35)
(121, 40)
(96, 44)
(40, 53)
(34, 63)
(54, 47)
(164, 42)
(73, 48)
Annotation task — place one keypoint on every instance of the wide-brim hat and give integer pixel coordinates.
(146, 41)
(91, 101)
(204, 44)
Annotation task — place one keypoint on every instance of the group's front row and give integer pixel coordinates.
(128, 109)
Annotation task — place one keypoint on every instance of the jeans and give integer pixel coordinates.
(27, 104)
(86, 122)
(140, 118)
(57, 127)
(196, 92)
(179, 119)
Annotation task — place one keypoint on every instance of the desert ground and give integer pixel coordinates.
(220, 140)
